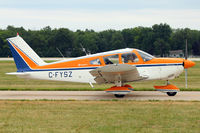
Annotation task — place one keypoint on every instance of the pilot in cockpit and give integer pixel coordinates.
(129, 58)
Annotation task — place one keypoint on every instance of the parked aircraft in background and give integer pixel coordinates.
(117, 67)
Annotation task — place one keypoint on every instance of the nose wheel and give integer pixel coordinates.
(170, 89)
(119, 95)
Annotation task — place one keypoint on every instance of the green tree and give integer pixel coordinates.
(63, 40)
(162, 33)
(117, 41)
(156, 40)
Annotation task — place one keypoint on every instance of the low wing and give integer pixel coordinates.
(116, 72)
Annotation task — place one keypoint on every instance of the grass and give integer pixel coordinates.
(114, 116)
(8, 82)
(99, 116)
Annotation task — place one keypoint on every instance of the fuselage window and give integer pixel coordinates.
(129, 58)
(113, 59)
(95, 62)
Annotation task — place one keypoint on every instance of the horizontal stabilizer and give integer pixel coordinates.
(18, 73)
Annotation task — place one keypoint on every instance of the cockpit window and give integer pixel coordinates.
(129, 58)
(95, 62)
(145, 56)
(113, 59)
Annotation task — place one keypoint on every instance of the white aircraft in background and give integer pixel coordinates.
(117, 67)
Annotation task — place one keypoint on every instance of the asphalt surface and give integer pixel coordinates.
(96, 95)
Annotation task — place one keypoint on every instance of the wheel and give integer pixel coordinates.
(119, 95)
(171, 93)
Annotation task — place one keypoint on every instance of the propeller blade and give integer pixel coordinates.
(186, 78)
(186, 50)
(186, 56)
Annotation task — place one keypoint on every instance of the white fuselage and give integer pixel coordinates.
(82, 75)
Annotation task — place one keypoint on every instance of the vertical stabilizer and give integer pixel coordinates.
(24, 56)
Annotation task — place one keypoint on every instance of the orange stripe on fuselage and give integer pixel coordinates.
(74, 63)
(26, 59)
(164, 61)
(85, 62)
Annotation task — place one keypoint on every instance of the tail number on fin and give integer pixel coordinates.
(64, 74)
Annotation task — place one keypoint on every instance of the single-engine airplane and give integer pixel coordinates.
(117, 67)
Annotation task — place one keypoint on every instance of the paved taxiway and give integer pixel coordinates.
(97, 95)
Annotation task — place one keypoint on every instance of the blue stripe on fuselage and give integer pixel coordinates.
(152, 65)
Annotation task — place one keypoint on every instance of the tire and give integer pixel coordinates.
(171, 93)
(119, 95)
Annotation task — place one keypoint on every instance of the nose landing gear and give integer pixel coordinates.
(171, 93)
(119, 95)
(170, 89)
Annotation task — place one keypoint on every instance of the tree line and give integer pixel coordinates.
(156, 40)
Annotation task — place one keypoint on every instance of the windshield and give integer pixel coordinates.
(145, 56)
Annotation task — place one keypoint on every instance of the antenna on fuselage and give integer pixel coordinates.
(60, 52)
(83, 49)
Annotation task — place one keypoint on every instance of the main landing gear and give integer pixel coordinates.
(120, 91)
(170, 89)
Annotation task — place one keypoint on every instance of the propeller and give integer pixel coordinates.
(186, 56)
(187, 63)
